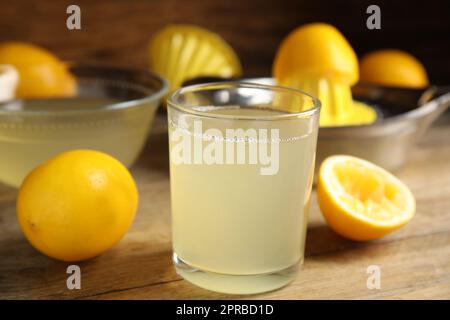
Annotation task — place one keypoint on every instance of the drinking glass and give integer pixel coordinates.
(241, 171)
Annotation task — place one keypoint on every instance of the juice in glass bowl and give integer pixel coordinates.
(111, 112)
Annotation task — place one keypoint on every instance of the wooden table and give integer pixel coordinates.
(414, 261)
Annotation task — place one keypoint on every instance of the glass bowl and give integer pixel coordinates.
(112, 112)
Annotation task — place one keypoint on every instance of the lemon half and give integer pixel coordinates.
(360, 200)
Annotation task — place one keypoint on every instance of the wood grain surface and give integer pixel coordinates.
(118, 31)
(414, 261)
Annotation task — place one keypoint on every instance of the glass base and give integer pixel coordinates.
(235, 284)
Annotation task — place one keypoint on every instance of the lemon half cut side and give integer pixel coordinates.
(360, 200)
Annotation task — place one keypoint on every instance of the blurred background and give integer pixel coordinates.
(118, 31)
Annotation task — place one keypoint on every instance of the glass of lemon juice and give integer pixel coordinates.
(241, 169)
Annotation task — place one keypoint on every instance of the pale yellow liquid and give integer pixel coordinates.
(26, 142)
(231, 220)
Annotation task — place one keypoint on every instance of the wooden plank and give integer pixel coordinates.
(118, 31)
(342, 275)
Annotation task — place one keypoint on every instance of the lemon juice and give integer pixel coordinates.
(32, 131)
(236, 227)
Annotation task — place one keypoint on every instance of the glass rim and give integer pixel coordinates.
(172, 100)
(157, 93)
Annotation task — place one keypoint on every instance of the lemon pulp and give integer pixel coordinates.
(360, 200)
(368, 193)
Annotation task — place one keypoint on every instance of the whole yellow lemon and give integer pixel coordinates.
(394, 68)
(77, 205)
(41, 74)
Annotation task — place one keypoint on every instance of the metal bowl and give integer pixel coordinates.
(404, 115)
(112, 112)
